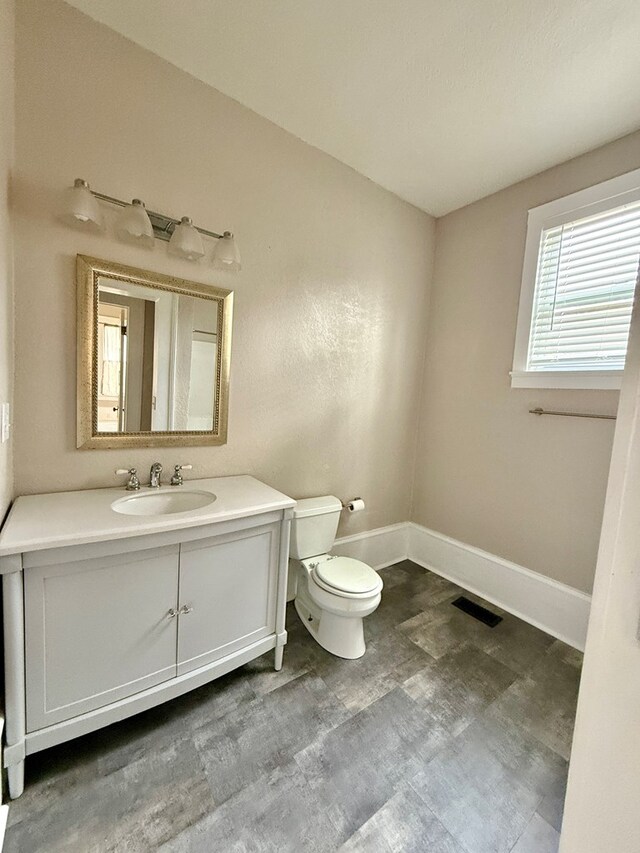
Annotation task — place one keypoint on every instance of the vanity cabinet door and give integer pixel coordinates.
(98, 630)
(227, 594)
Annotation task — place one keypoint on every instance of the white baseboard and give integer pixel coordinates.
(380, 548)
(554, 607)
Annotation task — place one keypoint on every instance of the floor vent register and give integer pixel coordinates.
(477, 611)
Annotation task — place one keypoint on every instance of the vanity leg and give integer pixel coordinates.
(281, 642)
(279, 657)
(15, 778)
(14, 687)
(281, 597)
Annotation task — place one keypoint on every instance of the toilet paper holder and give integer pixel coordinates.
(353, 505)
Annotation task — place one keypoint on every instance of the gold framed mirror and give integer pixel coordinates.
(153, 358)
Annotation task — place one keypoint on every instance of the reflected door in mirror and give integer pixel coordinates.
(112, 330)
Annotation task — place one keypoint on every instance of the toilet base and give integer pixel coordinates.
(340, 635)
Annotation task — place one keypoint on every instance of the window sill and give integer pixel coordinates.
(602, 380)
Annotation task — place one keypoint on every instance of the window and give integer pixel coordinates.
(579, 277)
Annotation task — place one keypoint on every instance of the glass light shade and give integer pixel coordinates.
(134, 225)
(81, 207)
(226, 254)
(186, 241)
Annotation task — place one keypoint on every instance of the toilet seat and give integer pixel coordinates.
(346, 576)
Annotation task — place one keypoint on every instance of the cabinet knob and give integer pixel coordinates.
(172, 613)
(186, 608)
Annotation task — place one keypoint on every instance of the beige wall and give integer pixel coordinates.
(6, 249)
(331, 305)
(488, 473)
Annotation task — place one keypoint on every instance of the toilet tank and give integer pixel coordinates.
(314, 526)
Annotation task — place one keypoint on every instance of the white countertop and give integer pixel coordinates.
(55, 520)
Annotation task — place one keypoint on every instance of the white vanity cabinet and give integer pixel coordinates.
(101, 629)
(228, 587)
(97, 630)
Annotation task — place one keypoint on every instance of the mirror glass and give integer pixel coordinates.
(158, 349)
(157, 359)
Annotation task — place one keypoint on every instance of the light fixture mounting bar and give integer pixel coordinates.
(163, 226)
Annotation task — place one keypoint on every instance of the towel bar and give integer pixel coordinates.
(571, 414)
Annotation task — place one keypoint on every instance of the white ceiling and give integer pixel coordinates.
(440, 101)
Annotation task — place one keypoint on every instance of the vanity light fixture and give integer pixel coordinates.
(81, 207)
(184, 238)
(226, 254)
(134, 226)
(186, 242)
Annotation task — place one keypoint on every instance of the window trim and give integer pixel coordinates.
(596, 199)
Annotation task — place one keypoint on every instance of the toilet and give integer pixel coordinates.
(332, 594)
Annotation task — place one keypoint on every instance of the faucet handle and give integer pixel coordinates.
(134, 483)
(176, 479)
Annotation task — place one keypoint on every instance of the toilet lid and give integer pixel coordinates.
(347, 574)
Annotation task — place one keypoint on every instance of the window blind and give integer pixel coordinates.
(585, 281)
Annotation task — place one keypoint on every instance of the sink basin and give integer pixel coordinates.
(162, 502)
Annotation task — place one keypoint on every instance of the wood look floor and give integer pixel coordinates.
(447, 737)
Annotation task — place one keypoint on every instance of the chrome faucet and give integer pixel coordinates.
(154, 475)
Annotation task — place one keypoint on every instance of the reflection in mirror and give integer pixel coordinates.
(157, 359)
(157, 350)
